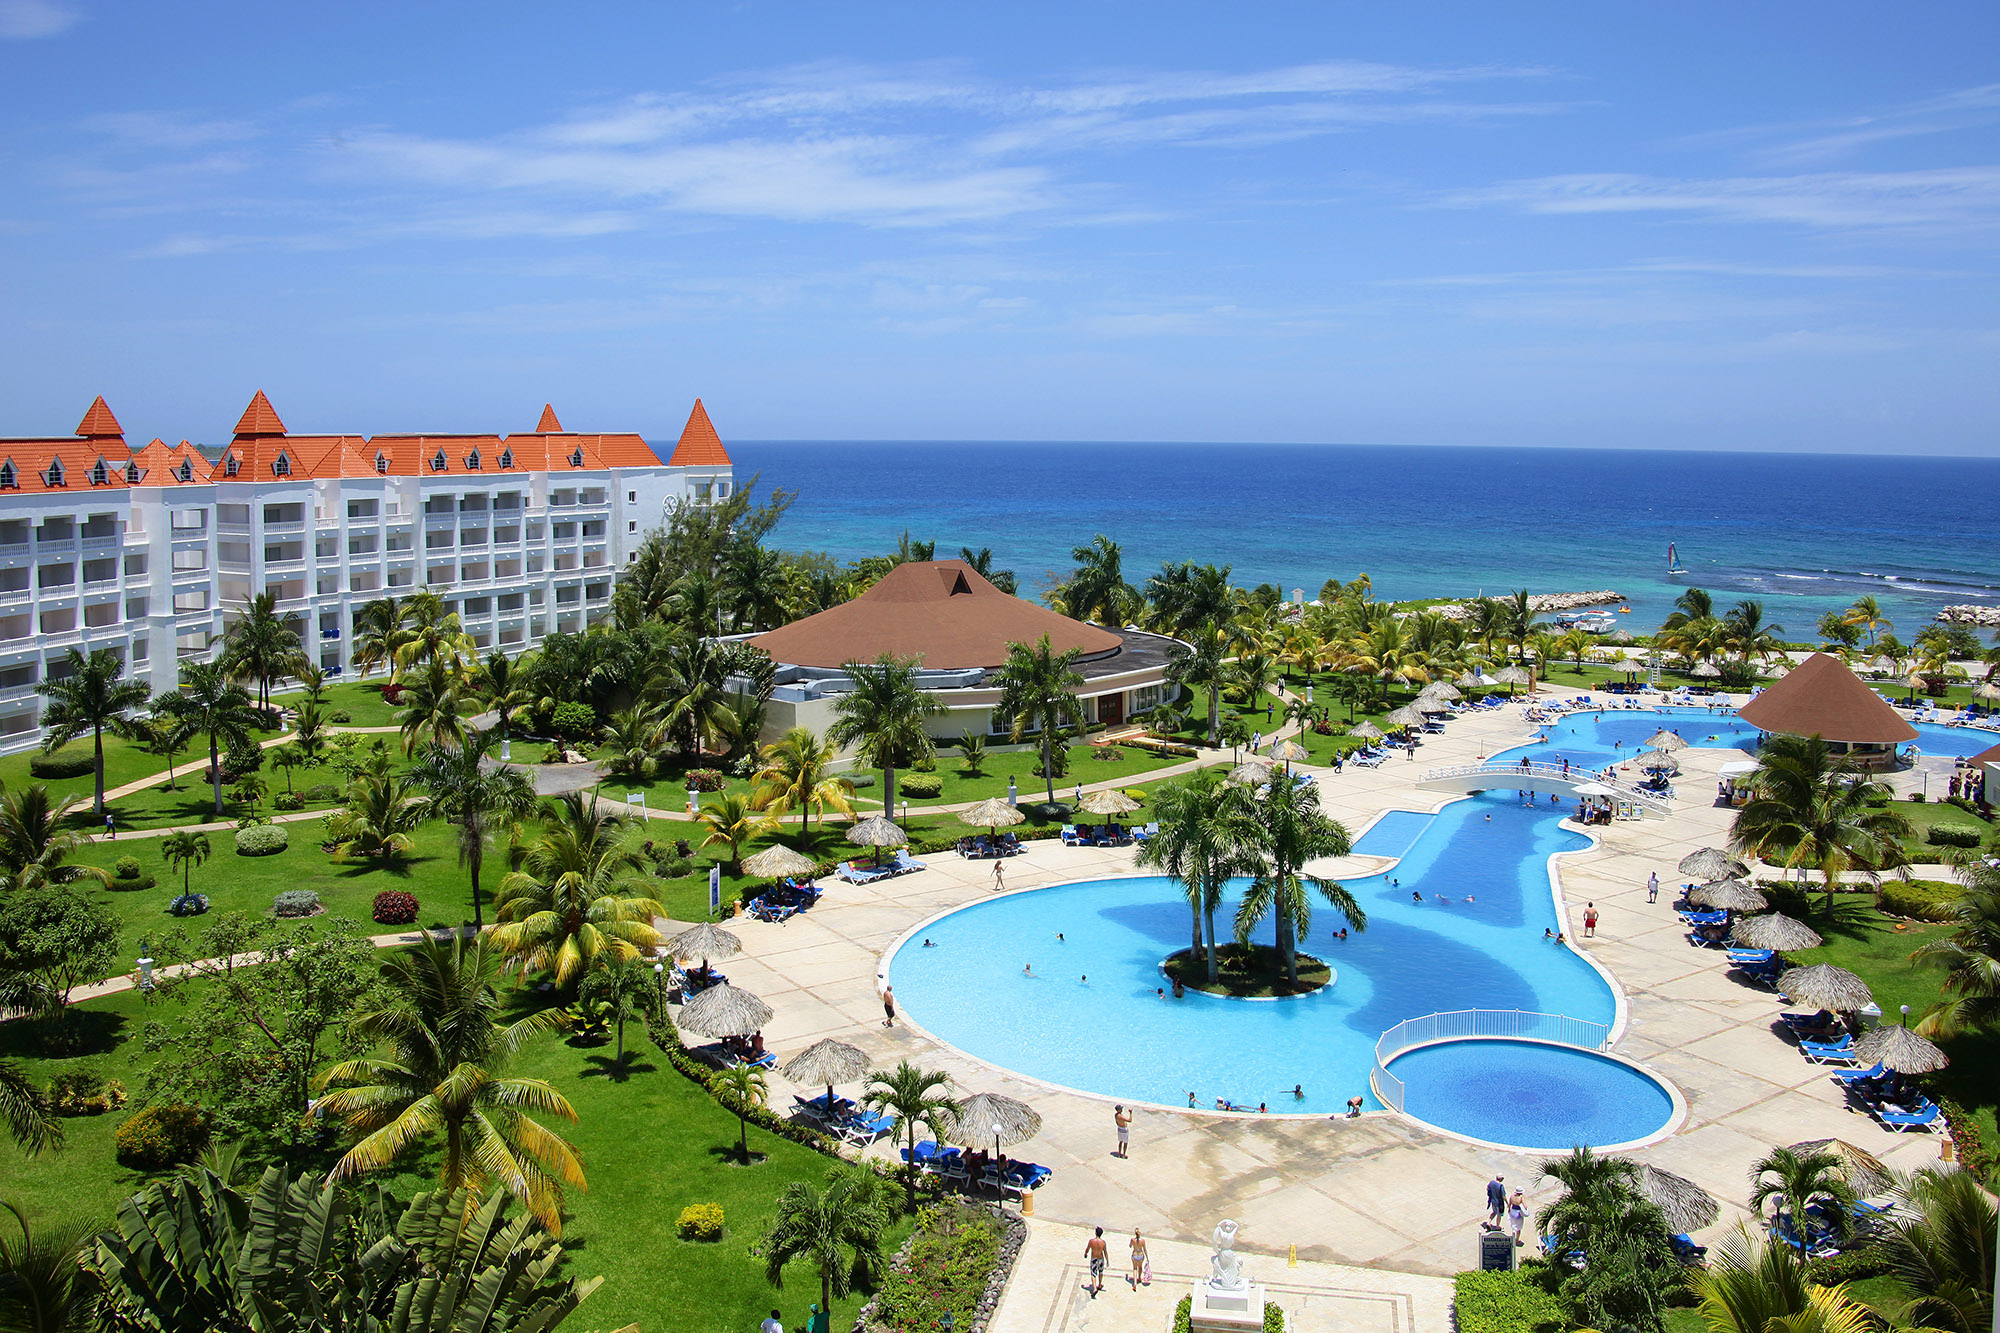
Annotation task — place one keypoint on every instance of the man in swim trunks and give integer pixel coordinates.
(1094, 1250)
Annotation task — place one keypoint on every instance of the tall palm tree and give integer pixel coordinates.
(430, 633)
(209, 703)
(1797, 1180)
(444, 1071)
(1202, 662)
(883, 717)
(1184, 596)
(1866, 616)
(1940, 1243)
(634, 736)
(1694, 604)
(693, 681)
(1750, 635)
(795, 775)
(1812, 808)
(502, 684)
(1518, 618)
(1969, 956)
(836, 1229)
(742, 1089)
(375, 627)
(733, 821)
(186, 849)
(1038, 691)
(1280, 832)
(1198, 846)
(754, 581)
(919, 1099)
(581, 892)
(465, 789)
(1098, 590)
(35, 847)
(94, 696)
(29, 1122)
(435, 704)
(261, 646)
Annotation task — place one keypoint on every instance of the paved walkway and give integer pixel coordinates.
(1377, 1190)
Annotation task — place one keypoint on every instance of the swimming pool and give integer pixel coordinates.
(1530, 1094)
(1592, 740)
(1086, 1014)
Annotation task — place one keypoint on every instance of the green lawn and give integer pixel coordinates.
(1922, 814)
(360, 699)
(651, 1145)
(1088, 764)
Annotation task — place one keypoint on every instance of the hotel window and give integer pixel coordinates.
(506, 459)
(472, 461)
(99, 474)
(632, 525)
(437, 461)
(132, 474)
(187, 470)
(631, 497)
(230, 466)
(9, 479)
(282, 466)
(381, 462)
(54, 476)
(576, 458)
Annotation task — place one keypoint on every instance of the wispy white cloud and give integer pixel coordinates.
(168, 130)
(1955, 197)
(24, 20)
(1803, 142)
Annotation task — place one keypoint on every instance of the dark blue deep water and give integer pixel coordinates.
(1805, 533)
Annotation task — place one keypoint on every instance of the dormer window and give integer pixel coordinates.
(576, 458)
(54, 476)
(472, 461)
(132, 474)
(100, 475)
(506, 459)
(437, 461)
(230, 467)
(282, 465)
(186, 472)
(381, 462)
(10, 480)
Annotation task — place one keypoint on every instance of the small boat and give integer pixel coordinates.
(1674, 565)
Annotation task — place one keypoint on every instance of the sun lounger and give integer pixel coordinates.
(1904, 1122)
(1687, 1252)
(1069, 835)
(854, 873)
(863, 1130)
(1853, 1076)
(903, 865)
(1822, 1053)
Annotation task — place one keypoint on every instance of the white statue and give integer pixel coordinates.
(1225, 1264)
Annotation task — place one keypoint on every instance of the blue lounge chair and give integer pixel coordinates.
(1853, 1076)
(854, 874)
(1069, 835)
(904, 865)
(1823, 1053)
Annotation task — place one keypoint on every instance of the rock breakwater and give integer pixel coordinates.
(1542, 602)
(1986, 616)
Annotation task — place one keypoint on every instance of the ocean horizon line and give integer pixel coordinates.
(748, 442)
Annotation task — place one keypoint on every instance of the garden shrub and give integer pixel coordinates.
(1920, 899)
(288, 800)
(1952, 835)
(573, 721)
(705, 779)
(296, 903)
(162, 1136)
(128, 876)
(676, 867)
(321, 791)
(924, 763)
(188, 904)
(942, 1271)
(126, 867)
(238, 760)
(1849, 1265)
(1917, 798)
(74, 764)
(1274, 1316)
(261, 840)
(921, 785)
(700, 1221)
(1967, 1146)
(1506, 1302)
(861, 780)
(393, 907)
(340, 717)
(81, 1092)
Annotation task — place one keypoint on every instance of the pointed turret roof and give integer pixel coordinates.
(98, 422)
(548, 425)
(1821, 697)
(699, 445)
(260, 418)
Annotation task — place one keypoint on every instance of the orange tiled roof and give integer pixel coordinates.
(159, 465)
(260, 418)
(699, 445)
(548, 425)
(40, 465)
(98, 422)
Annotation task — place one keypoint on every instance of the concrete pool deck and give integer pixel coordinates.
(1376, 1191)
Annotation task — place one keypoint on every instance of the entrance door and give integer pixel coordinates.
(1111, 708)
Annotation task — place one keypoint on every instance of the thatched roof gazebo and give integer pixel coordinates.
(724, 1011)
(1821, 697)
(1288, 752)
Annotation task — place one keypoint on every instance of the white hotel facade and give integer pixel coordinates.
(152, 552)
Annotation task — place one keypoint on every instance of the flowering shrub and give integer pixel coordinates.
(393, 907)
(943, 1271)
(296, 903)
(84, 1093)
(700, 1221)
(705, 779)
(261, 840)
(188, 904)
(162, 1136)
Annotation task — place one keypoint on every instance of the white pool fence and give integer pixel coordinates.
(1520, 1024)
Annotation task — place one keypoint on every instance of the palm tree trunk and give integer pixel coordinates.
(1214, 964)
(1049, 762)
(473, 856)
(97, 735)
(1214, 712)
(743, 1135)
(620, 1059)
(825, 1289)
(215, 771)
(888, 792)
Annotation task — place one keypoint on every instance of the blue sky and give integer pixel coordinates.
(1730, 226)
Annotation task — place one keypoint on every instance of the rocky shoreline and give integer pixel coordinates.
(1542, 603)
(1986, 617)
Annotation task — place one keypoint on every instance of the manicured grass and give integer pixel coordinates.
(1923, 814)
(651, 1144)
(1088, 765)
(361, 699)
(123, 762)
(1248, 971)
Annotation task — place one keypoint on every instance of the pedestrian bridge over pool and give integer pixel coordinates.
(1546, 779)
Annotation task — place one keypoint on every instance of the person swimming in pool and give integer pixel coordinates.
(1417, 896)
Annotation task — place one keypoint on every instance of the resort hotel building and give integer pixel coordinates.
(959, 628)
(152, 552)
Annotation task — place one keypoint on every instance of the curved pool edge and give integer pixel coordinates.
(1676, 1117)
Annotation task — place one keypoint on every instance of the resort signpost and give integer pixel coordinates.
(714, 889)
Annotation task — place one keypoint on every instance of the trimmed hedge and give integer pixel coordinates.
(261, 840)
(393, 907)
(700, 1221)
(162, 1136)
(74, 764)
(128, 876)
(1515, 1302)
(923, 786)
(1274, 1317)
(1920, 899)
(1953, 835)
(126, 867)
(295, 903)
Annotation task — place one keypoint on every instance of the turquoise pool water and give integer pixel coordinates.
(1592, 740)
(1087, 1014)
(1530, 1094)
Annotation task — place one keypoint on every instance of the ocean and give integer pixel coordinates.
(1803, 533)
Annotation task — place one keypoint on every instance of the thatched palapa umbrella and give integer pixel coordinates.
(1773, 930)
(1705, 670)
(1288, 752)
(988, 1115)
(1471, 680)
(1409, 715)
(1896, 1047)
(703, 942)
(1863, 1169)
(1731, 895)
(828, 1062)
(1708, 863)
(1666, 740)
(1986, 689)
(1110, 801)
(877, 832)
(1250, 773)
(1367, 731)
(992, 814)
(1620, 637)
(779, 862)
(1513, 675)
(1686, 1205)
(1442, 689)
(725, 1011)
(1824, 986)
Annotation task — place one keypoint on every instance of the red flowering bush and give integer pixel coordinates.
(395, 908)
(705, 779)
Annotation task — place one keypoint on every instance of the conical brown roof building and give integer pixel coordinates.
(1821, 697)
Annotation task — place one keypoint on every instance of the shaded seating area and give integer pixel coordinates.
(989, 846)
(784, 900)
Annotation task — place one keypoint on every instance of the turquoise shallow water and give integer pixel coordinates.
(1593, 740)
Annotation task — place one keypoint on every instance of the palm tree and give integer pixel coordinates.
(1038, 688)
(444, 1071)
(209, 703)
(883, 717)
(376, 821)
(732, 821)
(1866, 616)
(375, 626)
(464, 789)
(972, 748)
(92, 695)
(43, 1285)
(1969, 956)
(1197, 846)
(1185, 596)
(1694, 604)
(982, 565)
(435, 703)
(742, 1089)
(624, 986)
(29, 1122)
(634, 736)
(580, 893)
(1797, 1180)
(1098, 590)
(1812, 808)
(1940, 1243)
(837, 1230)
(796, 775)
(35, 847)
(1517, 618)
(309, 731)
(1203, 663)
(186, 849)
(430, 633)
(1602, 1213)
(694, 683)
(919, 1099)
(288, 757)
(260, 646)
(754, 579)
(1752, 1288)
(501, 683)
(1280, 833)
(1749, 635)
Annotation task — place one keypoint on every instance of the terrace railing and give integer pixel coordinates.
(1512, 773)
(1519, 1024)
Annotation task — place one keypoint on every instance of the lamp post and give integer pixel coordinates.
(659, 989)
